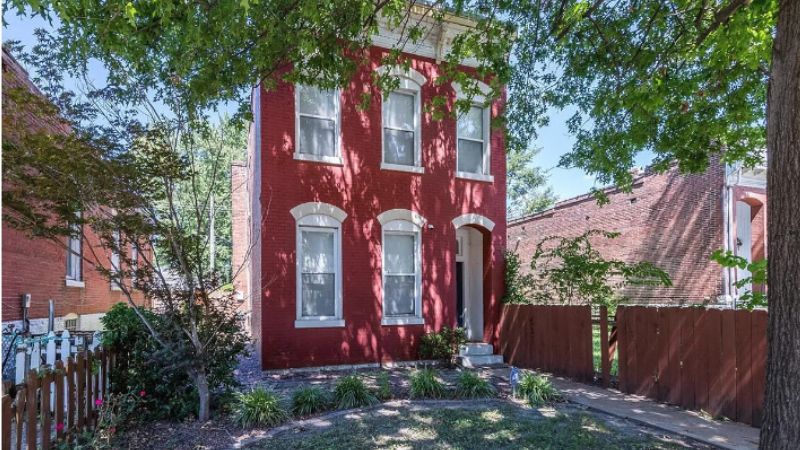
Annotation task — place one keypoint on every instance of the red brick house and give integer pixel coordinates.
(372, 227)
(45, 270)
(675, 221)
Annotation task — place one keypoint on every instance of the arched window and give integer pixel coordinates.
(402, 267)
(402, 122)
(319, 265)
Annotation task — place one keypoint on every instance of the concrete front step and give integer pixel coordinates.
(480, 361)
(475, 349)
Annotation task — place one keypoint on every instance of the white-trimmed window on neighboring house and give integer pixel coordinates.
(319, 265)
(402, 267)
(134, 263)
(75, 256)
(115, 262)
(317, 125)
(402, 122)
(473, 156)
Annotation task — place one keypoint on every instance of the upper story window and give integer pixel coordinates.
(134, 263)
(75, 256)
(317, 125)
(319, 265)
(473, 156)
(402, 267)
(402, 141)
(115, 264)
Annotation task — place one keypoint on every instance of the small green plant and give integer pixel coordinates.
(537, 390)
(310, 400)
(259, 407)
(425, 384)
(749, 298)
(384, 391)
(442, 345)
(351, 392)
(470, 385)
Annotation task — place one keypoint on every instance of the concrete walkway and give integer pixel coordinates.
(727, 435)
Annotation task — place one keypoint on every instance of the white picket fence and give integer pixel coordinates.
(38, 351)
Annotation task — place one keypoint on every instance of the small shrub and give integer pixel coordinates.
(310, 400)
(259, 407)
(384, 391)
(442, 345)
(471, 385)
(537, 390)
(425, 384)
(351, 392)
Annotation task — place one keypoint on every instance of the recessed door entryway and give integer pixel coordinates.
(469, 281)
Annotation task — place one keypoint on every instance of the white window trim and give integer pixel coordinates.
(473, 219)
(480, 102)
(407, 87)
(392, 225)
(336, 160)
(70, 279)
(75, 283)
(116, 268)
(319, 216)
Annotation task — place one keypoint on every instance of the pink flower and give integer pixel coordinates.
(98, 402)
(142, 393)
(59, 427)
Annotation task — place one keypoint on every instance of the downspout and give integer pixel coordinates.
(728, 275)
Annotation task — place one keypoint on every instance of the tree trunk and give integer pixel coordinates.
(201, 381)
(781, 425)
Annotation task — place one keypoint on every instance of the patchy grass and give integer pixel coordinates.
(493, 425)
(596, 350)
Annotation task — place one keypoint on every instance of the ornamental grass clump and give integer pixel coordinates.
(425, 384)
(310, 400)
(470, 385)
(351, 392)
(384, 390)
(259, 407)
(537, 390)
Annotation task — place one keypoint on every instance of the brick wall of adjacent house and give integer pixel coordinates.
(363, 191)
(38, 266)
(240, 237)
(674, 221)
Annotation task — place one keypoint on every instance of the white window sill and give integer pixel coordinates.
(322, 323)
(116, 288)
(402, 168)
(403, 321)
(475, 176)
(75, 283)
(336, 160)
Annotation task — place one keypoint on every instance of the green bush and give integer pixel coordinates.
(351, 392)
(310, 400)
(259, 407)
(425, 384)
(442, 345)
(384, 391)
(470, 385)
(537, 390)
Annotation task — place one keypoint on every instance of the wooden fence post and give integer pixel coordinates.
(22, 395)
(71, 397)
(32, 385)
(80, 381)
(605, 361)
(6, 442)
(60, 379)
(44, 409)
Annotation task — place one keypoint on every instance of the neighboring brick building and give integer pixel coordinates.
(361, 244)
(675, 221)
(43, 268)
(241, 237)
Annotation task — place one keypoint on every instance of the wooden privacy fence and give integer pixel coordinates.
(55, 402)
(705, 359)
(556, 339)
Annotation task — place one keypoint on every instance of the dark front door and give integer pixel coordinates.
(460, 293)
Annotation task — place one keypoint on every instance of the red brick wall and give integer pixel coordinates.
(363, 191)
(240, 234)
(674, 221)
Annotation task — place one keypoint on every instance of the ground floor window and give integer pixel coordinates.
(402, 277)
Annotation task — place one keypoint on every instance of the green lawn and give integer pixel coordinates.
(491, 426)
(596, 349)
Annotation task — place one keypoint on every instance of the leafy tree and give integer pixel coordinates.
(571, 271)
(758, 275)
(527, 185)
(118, 168)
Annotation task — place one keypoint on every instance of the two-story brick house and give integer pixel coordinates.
(372, 227)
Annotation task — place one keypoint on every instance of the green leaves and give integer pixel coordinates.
(750, 298)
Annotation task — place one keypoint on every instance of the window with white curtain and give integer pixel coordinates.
(75, 256)
(134, 262)
(115, 264)
(472, 137)
(319, 270)
(317, 124)
(401, 129)
(402, 290)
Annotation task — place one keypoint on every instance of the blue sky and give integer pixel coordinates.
(554, 140)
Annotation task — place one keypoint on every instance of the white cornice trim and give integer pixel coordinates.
(401, 214)
(311, 208)
(473, 219)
